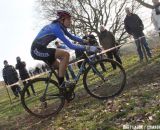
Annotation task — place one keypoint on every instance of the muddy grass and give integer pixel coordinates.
(138, 104)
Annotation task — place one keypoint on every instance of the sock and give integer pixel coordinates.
(60, 80)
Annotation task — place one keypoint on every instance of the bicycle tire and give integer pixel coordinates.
(35, 106)
(104, 93)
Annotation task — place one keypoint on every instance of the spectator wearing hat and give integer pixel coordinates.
(107, 40)
(10, 77)
(21, 67)
(134, 26)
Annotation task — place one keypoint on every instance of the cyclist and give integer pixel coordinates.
(57, 29)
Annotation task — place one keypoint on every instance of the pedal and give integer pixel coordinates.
(68, 93)
(70, 97)
(63, 91)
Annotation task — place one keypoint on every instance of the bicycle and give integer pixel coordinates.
(100, 84)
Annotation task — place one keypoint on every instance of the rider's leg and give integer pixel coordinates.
(64, 56)
(56, 64)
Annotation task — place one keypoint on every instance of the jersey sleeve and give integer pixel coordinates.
(60, 34)
(71, 36)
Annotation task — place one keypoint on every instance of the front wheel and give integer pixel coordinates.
(104, 79)
(39, 104)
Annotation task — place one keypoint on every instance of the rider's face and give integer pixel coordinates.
(67, 22)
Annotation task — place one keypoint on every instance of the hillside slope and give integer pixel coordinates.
(139, 104)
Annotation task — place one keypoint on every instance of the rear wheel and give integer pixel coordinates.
(39, 105)
(107, 82)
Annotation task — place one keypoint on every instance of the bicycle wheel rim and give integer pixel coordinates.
(36, 105)
(115, 79)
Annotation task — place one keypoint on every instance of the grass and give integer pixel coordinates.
(138, 104)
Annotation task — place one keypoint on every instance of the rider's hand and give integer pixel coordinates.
(93, 49)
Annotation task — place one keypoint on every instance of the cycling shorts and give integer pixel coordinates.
(43, 53)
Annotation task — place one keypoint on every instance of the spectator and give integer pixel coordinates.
(60, 46)
(10, 77)
(47, 67)
(107, 40)
(30, 72)
(134, 26)
(156, 15)
(37, 70)
(92, 41)
(21, 67)
(43, 68)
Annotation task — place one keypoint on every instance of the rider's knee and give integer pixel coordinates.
(67, 54)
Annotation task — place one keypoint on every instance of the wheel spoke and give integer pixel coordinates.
(43, 106)
(105, 84)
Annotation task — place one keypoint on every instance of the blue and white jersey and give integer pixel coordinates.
(56, 30)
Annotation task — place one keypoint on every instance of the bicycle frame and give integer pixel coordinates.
(49, 88)
(90, 62)
(87, 59)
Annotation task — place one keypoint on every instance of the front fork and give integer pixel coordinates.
(93, 66)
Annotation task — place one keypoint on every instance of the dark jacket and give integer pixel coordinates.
(92, 39)
(10, 75)
(92, 42)
(107, 39)
(133, 25)
(21, 66)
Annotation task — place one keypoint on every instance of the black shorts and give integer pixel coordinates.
(47, 55)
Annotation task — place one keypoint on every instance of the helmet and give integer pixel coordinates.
(63, 14)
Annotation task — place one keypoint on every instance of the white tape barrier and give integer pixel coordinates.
(36, 76)
(33, 77)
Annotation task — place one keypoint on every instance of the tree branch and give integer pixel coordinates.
(145, 4)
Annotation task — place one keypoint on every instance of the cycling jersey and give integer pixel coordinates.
(49, 33)
(57, 30)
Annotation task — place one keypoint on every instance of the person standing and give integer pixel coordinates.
(92, 41)
(107, 40)
(134, 26)
(155, 17)
(21, 67)
(10, 77)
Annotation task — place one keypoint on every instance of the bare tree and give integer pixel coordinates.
(90, 14)
(142, 2)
